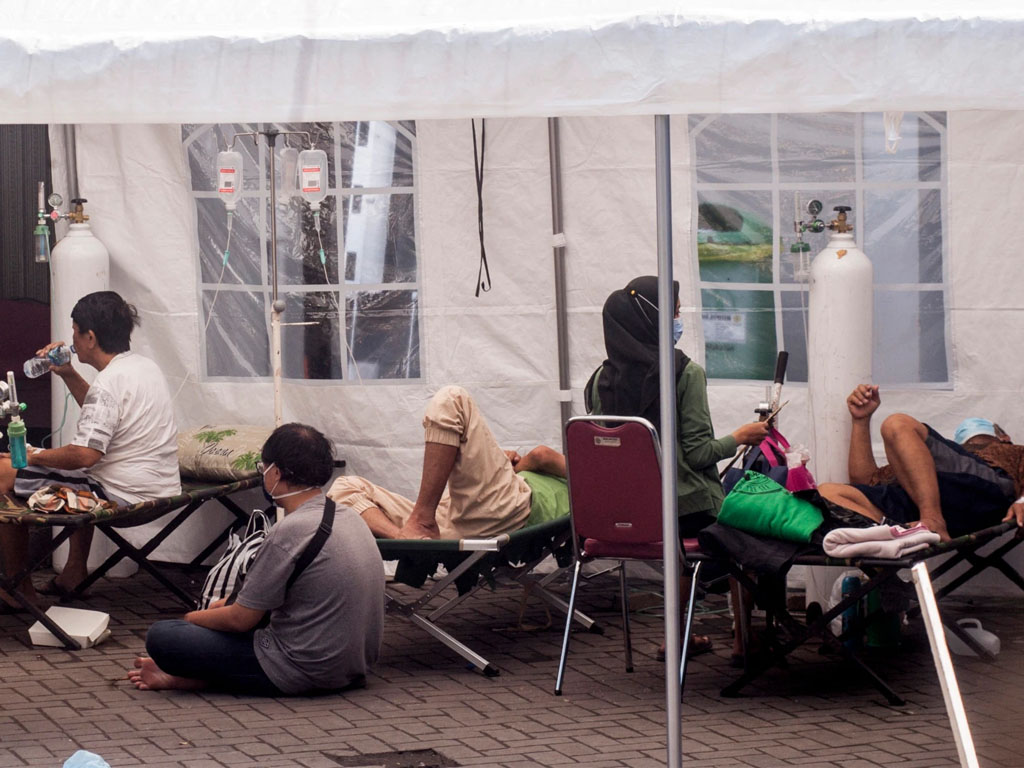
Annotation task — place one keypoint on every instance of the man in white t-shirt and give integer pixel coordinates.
(125, 444)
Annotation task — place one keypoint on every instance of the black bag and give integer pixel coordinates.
(757, 460)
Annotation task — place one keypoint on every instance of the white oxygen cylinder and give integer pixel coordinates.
(313, 176)
(80, 266)
(229, 178)
(839, 351)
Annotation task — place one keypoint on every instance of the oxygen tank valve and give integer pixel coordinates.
(839, 224)
(78, 215)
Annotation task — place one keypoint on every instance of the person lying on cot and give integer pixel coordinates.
(324, 630)
(486, 493)
(125, 447)
(952, 486)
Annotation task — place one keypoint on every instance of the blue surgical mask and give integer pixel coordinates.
(677, 330)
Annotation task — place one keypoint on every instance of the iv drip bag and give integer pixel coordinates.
(229, 178)
(313, 176)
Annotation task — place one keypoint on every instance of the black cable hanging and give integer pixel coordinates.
(483, 276)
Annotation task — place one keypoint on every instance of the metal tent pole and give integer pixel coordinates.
(558, 244)
(667, 379)
(277, 305)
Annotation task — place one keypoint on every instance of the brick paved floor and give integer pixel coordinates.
(423, 698)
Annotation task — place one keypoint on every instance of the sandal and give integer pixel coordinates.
(699, 645)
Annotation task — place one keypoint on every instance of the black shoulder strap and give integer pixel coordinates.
(315, 544)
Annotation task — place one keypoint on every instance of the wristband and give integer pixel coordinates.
(1020, 500)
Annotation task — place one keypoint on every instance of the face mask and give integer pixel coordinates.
(269, 495)
(677, 330)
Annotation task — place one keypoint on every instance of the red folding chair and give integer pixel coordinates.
(614, 471)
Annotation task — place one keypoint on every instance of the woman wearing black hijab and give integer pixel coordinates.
(627, 384)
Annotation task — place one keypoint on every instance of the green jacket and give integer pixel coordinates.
(697, 450)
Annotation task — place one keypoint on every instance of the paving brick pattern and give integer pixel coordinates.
(422, 697)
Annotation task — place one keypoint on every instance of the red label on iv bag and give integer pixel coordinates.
(311, 179)
(227, 181)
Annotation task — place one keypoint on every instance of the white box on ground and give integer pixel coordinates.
(86, 627)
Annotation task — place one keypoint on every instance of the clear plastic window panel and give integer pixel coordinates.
(237, 341)
(903, 235)
(734, 236)
(734, 148)
(311, 350)
(382, 334)
(243, 264)
(794, 333)
(376, 155)
(372, 242)
(896, 196)
(298, 245)
(739, 334)
(917, 155)
(911, 326)
(380, 239)
(817, 148)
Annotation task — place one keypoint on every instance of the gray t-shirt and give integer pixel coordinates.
(327, 631)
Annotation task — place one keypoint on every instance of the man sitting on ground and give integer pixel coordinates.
(125, 447)
(953, 487)
(486, 495)
(324, 631)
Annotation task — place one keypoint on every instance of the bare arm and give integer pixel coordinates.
(76, 385)
(226, 618)
(66, 457)
(862, 403)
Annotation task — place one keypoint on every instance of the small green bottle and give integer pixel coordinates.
(16, 436)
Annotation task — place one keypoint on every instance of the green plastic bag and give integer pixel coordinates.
(759, 505)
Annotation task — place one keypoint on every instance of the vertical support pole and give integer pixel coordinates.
(667, 380)
(558, 244)
(277, 305)
(944, 666)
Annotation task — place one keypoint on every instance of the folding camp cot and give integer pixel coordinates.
(472, 564)
(786, 633)
(194, 494)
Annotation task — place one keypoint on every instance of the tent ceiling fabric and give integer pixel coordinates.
(121, 61)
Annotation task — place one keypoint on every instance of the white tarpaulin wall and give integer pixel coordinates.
(502, 345)
(130, 74)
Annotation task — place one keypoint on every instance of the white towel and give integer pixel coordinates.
(888, 541)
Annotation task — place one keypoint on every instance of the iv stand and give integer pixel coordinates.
(277, 305)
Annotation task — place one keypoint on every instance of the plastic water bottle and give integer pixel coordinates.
(16, 438)
(853, 617)
(37, 366)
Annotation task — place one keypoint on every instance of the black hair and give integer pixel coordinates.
(108, 316)
(301, 453)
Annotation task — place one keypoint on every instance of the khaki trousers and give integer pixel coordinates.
(484, 497)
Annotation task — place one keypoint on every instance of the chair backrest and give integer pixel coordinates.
(613, 467)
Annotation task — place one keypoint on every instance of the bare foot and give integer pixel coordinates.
(147, 676)
(413, 529)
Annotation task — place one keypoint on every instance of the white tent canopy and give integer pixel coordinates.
(121, 61)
